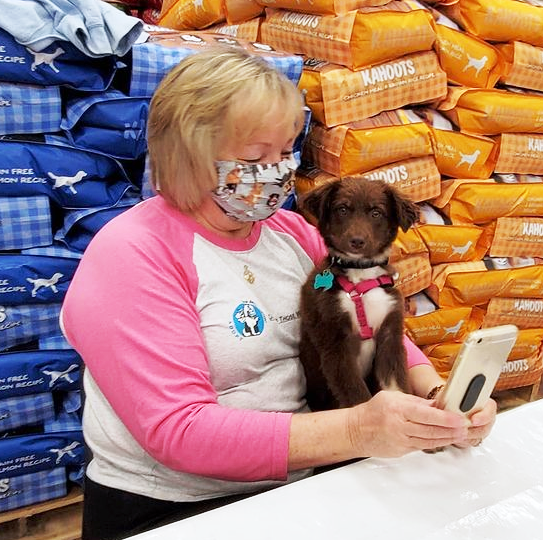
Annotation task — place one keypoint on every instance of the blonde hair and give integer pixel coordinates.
(219, 95)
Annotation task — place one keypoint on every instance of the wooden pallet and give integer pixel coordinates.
(57, 519)
(506, 399)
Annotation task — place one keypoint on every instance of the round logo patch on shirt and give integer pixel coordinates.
(248, 320)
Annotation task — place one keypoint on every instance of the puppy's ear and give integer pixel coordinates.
(407, 211)
(317, 201)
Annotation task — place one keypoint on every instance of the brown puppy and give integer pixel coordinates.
(352, 316)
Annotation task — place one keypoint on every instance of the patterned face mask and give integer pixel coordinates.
(253, 192)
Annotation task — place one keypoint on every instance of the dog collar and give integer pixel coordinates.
(338, 261)
(356, 290)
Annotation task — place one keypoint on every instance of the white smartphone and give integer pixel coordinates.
(477, 368)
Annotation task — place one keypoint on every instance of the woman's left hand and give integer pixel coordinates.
(481, 424)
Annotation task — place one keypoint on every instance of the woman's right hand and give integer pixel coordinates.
(392, 424)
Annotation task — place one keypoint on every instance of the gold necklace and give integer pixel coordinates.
(248, 275)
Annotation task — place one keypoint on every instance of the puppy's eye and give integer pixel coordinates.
(376, 213)
(341, 210)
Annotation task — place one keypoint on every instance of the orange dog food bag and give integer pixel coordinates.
(359, 147)
(322, 7)
(492, 111)
(407, 243)
(528, 343)
(521, 372)
(471, 288)
(524, 65)
(500, 20)
(409, 257)
(467, 60)
(240, 11)
(417, 178)
(249, 30)
(338, 95)
(522, 312)
(454, 243)
(191, 14)
(518, 237)
(414, 273)
(441, 325)
(481, 201)
(520, 153)
(516, 373)
(461, 155)
(356, 39)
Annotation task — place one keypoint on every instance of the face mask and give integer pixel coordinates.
(253, 192)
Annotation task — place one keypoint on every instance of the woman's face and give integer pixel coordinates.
(268, 144)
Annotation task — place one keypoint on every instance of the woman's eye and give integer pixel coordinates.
(258, 160)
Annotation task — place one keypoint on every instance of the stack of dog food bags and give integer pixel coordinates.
(60, 121)
(484, 231)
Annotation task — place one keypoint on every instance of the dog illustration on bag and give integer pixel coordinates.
(469, 159)
(461, 250)
(50, 283)
(45, 58)
(58, 375)
(61, 452)
(453, 330)
(476, 63)
(67, 181)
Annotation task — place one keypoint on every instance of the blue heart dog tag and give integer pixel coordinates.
(324, 280)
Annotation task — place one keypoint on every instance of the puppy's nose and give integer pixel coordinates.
(357, 243)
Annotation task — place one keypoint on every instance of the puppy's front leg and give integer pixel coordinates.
(341, 369)
(390, 363)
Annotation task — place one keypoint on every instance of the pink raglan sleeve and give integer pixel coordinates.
(415, 357)
(130, 312)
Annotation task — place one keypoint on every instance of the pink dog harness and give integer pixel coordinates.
(355, 291)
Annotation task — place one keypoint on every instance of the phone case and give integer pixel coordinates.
(477, 368)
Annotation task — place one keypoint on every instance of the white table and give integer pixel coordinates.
(491, 492)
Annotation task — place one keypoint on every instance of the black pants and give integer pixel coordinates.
(112, 514)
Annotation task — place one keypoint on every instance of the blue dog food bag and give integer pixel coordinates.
(26, 222)
(154, 58)
(40, 452)
(27, 279)
(68, 414)
(72, 177)
(31, 372)
(33, 488)
(26, 410)
(53, 250)
(109, 122)
(60, 64)
(29, 108)
(26, 323)
(80, 226)
(53, 343)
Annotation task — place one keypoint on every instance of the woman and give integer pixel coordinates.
(185, 310)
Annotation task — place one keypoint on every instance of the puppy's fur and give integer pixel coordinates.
(358, 219)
